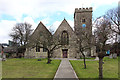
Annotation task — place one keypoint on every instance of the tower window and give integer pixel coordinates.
(83, 20)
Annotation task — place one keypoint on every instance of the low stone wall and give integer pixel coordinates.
(33, 54)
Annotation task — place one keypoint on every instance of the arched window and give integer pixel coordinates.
(64, 38)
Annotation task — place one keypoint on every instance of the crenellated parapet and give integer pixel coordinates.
(83, 9)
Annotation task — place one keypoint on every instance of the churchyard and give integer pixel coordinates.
(32, 68)
(110, 68)
(29, 68)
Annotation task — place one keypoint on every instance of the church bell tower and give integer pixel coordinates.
(83, 20)
(83, 26)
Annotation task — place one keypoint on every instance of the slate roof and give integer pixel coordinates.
(8, 49)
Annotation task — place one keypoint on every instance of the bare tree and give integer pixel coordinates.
(85, 42)
(113, 15)
(21, 33)
(47, 41)
(102, 34)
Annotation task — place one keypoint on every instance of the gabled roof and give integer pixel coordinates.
(39, 27)
(64, 26)
(41, 32)
(9, 49)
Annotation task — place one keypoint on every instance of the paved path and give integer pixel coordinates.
(65, 71)
(77, 59)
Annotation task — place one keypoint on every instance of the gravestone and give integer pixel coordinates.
(114, 56)
(39, 59)
(111, 56)
(97, 58)
(3, 57)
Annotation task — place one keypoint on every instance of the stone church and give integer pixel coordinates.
(67, 35)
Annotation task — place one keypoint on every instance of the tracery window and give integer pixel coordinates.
(64, 38)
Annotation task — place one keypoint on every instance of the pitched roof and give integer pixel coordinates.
(9, 49)
(40, 33)
(40, 27)
(64, 26)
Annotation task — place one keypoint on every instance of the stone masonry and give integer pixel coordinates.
(65, 33)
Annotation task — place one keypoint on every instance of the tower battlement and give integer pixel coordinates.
(83, 9)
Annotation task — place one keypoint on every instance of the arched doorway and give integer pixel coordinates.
(65, 53)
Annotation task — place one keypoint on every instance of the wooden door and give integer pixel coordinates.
(64, 53)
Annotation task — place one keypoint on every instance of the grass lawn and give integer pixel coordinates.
(29, 68)
(88, 58)
(110, 68)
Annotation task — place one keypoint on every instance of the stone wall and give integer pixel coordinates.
(31, 53)
(73, 47)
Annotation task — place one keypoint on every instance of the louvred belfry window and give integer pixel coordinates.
(83, 20)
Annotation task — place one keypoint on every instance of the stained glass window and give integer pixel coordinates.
(64, 38)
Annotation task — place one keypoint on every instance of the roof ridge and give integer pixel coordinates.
(44, 26)
(38, 27)
(64, 20)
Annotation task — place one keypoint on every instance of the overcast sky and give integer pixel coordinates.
(50, 12)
